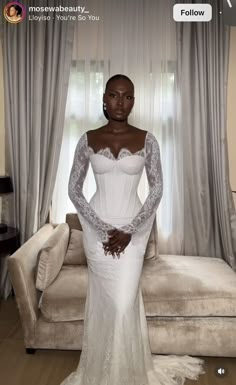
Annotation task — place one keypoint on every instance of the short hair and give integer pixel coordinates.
(117, 77)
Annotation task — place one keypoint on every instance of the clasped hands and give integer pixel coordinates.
(118, 240)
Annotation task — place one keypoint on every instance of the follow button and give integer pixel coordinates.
(192, 12)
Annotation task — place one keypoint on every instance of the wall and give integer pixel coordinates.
(231, 113)
(2, 127)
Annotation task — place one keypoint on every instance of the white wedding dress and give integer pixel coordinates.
(115, 348)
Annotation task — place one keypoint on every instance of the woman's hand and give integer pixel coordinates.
(118, 240)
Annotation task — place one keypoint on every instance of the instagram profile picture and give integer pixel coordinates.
(14, 12)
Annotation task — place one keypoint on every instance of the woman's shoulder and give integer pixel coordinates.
(138, 130)
(94, 132)
(141, 132)
(98, 130)
(148, 137)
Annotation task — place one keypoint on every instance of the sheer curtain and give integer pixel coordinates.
(137, 39)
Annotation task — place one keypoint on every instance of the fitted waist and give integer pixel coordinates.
(118, 221)
(120, 209)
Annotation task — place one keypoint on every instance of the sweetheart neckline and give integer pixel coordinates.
(112, 156)
(125, 150)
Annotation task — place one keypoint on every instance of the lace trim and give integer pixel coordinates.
(121, 154)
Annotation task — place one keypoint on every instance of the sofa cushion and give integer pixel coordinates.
(172, 286)
(64, 299)
(175, 285)
(51, 256)
(75, 254)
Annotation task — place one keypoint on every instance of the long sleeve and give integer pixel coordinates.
(77, 176)
(155, 180)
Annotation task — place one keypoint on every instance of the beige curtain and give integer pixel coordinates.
(37, 57)
(209, 214)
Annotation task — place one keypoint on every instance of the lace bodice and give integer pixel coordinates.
(151, 155)
(122, 153)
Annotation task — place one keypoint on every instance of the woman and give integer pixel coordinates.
(14, 13)
(116, 228)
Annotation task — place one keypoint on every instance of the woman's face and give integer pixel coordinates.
(12, 11)
(119, 99)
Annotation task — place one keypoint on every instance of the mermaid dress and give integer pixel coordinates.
(115, 349)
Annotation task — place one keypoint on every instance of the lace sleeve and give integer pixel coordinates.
(154, 176)
(76, 181)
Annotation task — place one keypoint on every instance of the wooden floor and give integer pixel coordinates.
(50, 367)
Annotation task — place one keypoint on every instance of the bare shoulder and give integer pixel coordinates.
(139, 135)
(92, 135)
(138, 130)
(95, 131)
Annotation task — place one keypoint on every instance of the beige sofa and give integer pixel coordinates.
(190, 301)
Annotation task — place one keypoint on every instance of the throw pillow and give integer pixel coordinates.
(75, 254)
(51, 256)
